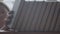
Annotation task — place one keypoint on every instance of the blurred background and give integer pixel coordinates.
(9, 3)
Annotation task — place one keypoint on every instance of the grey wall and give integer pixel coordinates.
(37, 16)
(1, 0)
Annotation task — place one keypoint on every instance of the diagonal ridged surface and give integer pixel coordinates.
(38, 16)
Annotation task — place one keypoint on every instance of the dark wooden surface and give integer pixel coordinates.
(30, 33)
(37, 16)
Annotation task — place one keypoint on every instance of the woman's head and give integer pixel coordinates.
(4, 13)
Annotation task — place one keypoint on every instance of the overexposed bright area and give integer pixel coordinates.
(58, 0)
(9, 3)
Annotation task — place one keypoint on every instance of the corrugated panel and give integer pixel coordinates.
(38, 16)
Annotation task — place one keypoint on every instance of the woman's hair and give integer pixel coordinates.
(3, 13)
(6, 9)
(4, 6)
